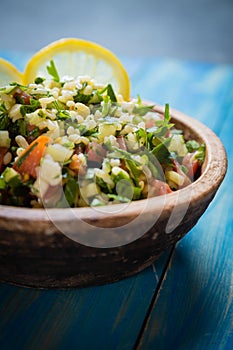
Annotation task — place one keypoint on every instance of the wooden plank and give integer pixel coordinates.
(194, 308)
(103, 317)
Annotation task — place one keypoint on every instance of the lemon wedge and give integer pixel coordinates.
(9, 73)
(74, 57)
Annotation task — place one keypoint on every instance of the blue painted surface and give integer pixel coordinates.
(193, 308)
(104, 317)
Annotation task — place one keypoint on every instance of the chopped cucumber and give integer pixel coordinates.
(5, 140)
(107, 129)
(59, 153)
(11, 177)
(90, 190)
(177, 145)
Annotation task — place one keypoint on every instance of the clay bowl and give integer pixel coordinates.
(64, 248)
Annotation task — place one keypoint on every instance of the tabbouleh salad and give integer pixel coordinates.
(72, 142)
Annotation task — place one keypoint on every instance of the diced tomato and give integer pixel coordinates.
(177, 168)
(52, 195)
(76, 165)
(149, 123)
(29, 160)
(195, 166)
(95, 152)
(121, 142)
(3, 151)
(31, 136)
(31, 127)
(123, 165)
(22, 97)
(175, 165)
(168, 133)
(191, 164)
(80, 148)
(158, 188)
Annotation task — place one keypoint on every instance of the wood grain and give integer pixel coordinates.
(104, 317)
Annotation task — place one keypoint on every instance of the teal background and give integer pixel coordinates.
(197, 30)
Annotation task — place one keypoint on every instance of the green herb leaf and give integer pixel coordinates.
(161, 152)
(3, 184)
(82, 97)
(135, 172)
(61, 112)
(39, 80)
(52, 70)
(111, 93)
(139, 99)
(167, 113)
(141, 136)
(119, 198)
(63, 115)
(153, 164)
(98, 202)
(71, 190)
(22, 87)
(200, 154)
(106, 106)
(22, 126)
(143, 109)
(34, 133)
(4, 119)
(121, 154)
(192, 145)
(34, 104)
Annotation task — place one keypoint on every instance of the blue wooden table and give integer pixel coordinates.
(185, 299)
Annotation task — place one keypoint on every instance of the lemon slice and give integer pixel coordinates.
(76, 57)
(9, 73)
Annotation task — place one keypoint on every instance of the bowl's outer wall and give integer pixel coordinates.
(34, 253)
(59, 262)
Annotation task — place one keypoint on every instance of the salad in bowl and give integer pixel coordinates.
(72, 141)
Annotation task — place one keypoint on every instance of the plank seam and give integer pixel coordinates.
(153, 301)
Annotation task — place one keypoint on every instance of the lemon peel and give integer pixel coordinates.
(9, 73)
